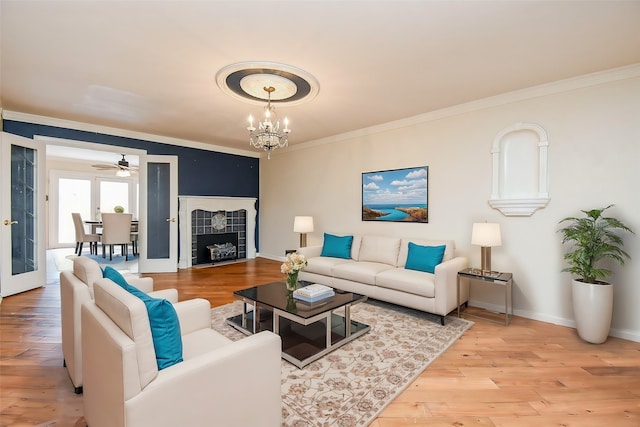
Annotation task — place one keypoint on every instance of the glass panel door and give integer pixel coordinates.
(159, 209)
(23, 193)
(22, 205)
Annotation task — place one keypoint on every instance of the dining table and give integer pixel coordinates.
(96, 225)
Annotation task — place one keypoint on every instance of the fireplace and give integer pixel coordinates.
(202, 215)
(212, 248)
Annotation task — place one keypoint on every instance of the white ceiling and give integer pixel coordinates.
(150, 66)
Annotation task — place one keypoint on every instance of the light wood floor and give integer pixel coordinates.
(527, 374)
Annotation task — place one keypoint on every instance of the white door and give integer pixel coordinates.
(22, 210)
(158, 238)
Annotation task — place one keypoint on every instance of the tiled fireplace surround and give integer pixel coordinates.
(194, 217)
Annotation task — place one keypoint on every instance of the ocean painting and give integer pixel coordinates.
(396, 195)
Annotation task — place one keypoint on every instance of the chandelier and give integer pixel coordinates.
(268, 135)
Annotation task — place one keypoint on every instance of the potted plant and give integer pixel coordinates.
(594, 239)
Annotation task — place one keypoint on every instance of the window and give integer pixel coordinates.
(112, 194)
(74, 195)
(84, 193)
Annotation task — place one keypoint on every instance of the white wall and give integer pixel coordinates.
(594, 137)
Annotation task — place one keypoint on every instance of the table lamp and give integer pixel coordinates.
(303, 225)
(486, 235)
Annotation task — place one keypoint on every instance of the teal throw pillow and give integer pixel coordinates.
(163, 319)
(424, 258)
(337, 246)
(115, 276)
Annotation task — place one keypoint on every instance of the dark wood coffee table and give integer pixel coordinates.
(308, 331)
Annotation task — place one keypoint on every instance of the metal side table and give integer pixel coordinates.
(496, 278)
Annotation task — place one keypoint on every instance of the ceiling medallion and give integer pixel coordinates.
(246, 81)
(257, 82)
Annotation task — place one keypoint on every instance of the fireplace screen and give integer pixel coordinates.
(216, 247)
(222, 251)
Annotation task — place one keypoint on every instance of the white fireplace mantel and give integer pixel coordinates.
(187, 204)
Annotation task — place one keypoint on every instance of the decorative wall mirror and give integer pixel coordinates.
(519, 185)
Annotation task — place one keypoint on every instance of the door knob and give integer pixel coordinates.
(171, 220)
(7, 222)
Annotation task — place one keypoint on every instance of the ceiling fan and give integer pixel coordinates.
(122, 167)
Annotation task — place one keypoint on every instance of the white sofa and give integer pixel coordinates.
(218, 382)
(376, 269)
(76, 288)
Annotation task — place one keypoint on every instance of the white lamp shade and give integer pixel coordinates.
(303, 224)
(486, 234)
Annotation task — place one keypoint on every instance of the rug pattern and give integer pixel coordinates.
(352, 385)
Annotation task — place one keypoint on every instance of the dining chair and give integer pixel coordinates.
(82, 237)
(134, 242)
(116, 230)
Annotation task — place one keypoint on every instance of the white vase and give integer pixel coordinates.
(592, 308)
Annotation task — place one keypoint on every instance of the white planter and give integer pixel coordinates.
(592, 308)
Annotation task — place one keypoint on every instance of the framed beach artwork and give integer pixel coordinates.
(398, 195)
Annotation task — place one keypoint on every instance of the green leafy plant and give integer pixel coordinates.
(118, 209)
(594, 239)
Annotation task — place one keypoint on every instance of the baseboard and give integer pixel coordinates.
(626, 334)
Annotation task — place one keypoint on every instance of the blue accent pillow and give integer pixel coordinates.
(165, 326)
(424, 258)
(337, 246)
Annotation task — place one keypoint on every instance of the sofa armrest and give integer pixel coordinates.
(193, 314)
(446, 276)
(145, 284)
(310, 251)
(73, 294)
(170, 295)
(207, 387)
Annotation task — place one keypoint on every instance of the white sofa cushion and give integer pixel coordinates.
(355, 247)
(379, 249)
(324, 265)
(362, 271)
(404, 248)
(411, 281)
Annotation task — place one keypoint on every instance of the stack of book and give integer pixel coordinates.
(313, 293)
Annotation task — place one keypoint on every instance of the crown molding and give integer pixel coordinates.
(87, 127)
(566, 85)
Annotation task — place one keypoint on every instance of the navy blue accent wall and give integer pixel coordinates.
(200, 172)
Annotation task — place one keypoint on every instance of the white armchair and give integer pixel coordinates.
(219, 382)
(76, 287)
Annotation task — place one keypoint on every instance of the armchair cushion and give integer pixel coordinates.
(424, 258)
(87, 270)
(165, 326)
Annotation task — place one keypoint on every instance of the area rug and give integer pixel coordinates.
(352, 385)
(63, 260)
(115, 259)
